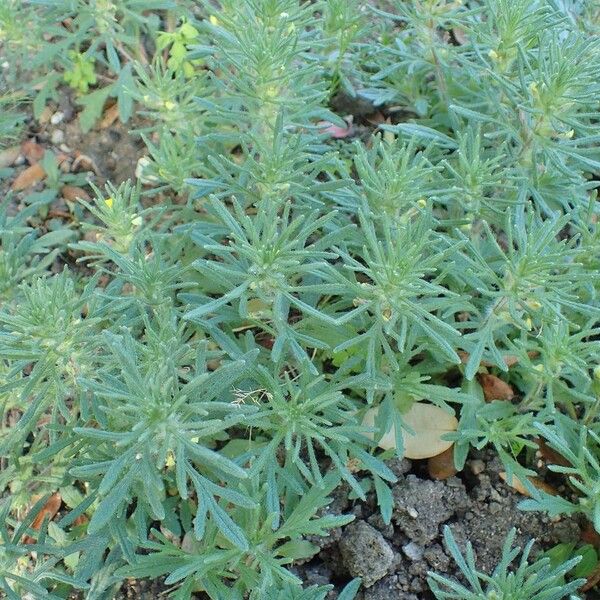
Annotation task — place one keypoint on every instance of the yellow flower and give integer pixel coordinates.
(213, 20)
(109, 202)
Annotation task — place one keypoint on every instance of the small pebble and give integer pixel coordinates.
(65, 148)
(477, 466)
(413, 551)
(57, 117)
(57, 137)
(494, 495)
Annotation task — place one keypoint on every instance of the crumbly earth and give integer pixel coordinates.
(477, 506)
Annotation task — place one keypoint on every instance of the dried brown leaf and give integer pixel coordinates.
(519, 486)
(110, 116)
(74, 193)
(495, 388)
(33, 151)
(550, 455)
(28, 177)
(442, 465)
(48, 512)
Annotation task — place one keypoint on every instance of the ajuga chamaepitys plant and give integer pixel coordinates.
(187, 362)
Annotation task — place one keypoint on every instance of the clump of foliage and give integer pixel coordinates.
(193, 386)
(537, 580)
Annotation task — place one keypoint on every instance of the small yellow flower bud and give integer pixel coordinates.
(170, 462)
(109, 202)
(533, 304)
(213, 20)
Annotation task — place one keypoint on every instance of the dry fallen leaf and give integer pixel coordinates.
(519, 486)
(110, 116)
(74, 193)
(48, 511)
(494, 388)
(9, 155)
(33, 151)
(442, 465)
(550, 455)
(28, 177)
(429, 424)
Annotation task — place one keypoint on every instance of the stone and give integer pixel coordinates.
(365, 553)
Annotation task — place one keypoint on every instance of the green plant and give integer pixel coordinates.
(190, 371)
(537, 580)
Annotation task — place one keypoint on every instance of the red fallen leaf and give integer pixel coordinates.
(28, 177)
(519, 486)
(335, 131)
(74, 193)
(48, 511)
(442, 465)
(494, 388)
(33, 151)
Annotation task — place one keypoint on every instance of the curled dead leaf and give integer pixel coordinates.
(520, 487)
(428, 422)
(32, 151)
(48, 512)
(110, 116)
(550, 455)
(28, 177)
(495, 388)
